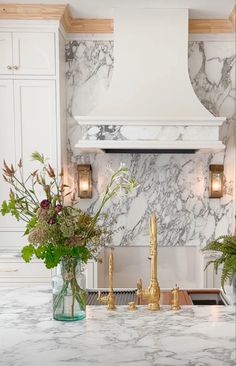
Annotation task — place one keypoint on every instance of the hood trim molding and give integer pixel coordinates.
(129, 146)
(148, 121)
(136, 133)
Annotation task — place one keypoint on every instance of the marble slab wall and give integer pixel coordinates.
(175, 186)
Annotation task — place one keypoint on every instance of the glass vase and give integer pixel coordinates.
(69, 294)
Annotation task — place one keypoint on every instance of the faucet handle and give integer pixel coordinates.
(139, 292)
(175, 299)
(102, 299)
(139, 284)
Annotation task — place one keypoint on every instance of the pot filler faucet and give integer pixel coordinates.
(109, 300)
(152, 293)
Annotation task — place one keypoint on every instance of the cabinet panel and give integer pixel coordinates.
(91, 274)
(35, 119)
(15, 270)
(7, 142)
(5, 53)
(34, 53)
(89, 271)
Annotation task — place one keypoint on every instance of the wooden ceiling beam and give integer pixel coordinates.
(71, 25)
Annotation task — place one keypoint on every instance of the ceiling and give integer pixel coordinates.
(104, 8)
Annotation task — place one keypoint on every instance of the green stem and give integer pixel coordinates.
(60, 296)
(22, 192)
(25, 190)
(73, 302)
(73, 280)
(106, 198)
(81, 300)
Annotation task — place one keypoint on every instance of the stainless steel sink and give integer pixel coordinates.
(207, 297)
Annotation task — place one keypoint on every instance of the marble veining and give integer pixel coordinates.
(193, 336)
(175, 186)
(143, 133)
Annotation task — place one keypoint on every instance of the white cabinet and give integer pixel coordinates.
(91, 274)
(6, 59)
(28, 123)
(14, 271)
(212, 279)
(35, 120)
(27, 53)
(7, 141)
(33, 53)
(32, 118)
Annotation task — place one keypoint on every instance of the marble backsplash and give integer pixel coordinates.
(175, 186)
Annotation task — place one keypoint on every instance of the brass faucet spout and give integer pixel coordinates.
(152, 293)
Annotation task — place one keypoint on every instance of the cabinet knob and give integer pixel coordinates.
(9, 67)
(15, 67)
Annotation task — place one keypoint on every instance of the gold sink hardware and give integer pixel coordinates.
(110, 299)
(132, 306)
(152, 293)
(175, 299)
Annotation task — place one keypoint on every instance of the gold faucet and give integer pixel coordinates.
(175, 299)
(152, 293)
(110, 299)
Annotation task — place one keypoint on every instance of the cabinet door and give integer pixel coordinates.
(33, 53)
(35, 119)
(5, 53)
(14, 271)
(7, 143)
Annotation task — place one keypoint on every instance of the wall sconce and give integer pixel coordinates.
(216, 181)
(85, 187)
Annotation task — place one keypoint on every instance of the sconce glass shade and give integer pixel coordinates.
(85, 187)
(216, 181)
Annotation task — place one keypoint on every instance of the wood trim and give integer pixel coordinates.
(210, 26)
(91, 26)
(66, 19)
(32, 11)
(62, 14)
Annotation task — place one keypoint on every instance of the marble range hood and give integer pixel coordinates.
(150, 105)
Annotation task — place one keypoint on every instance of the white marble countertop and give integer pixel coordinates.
(193, 336)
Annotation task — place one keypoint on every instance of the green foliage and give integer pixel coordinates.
(54, 230)
(226, 245)
(52, 254)
(36, 156)
(10, 207)
(30, 225)
(27, 252)
(5, 208)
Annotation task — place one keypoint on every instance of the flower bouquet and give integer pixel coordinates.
(59, 233)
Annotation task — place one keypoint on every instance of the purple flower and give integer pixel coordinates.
(58, 208)
(45, 204)
(51, 221)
